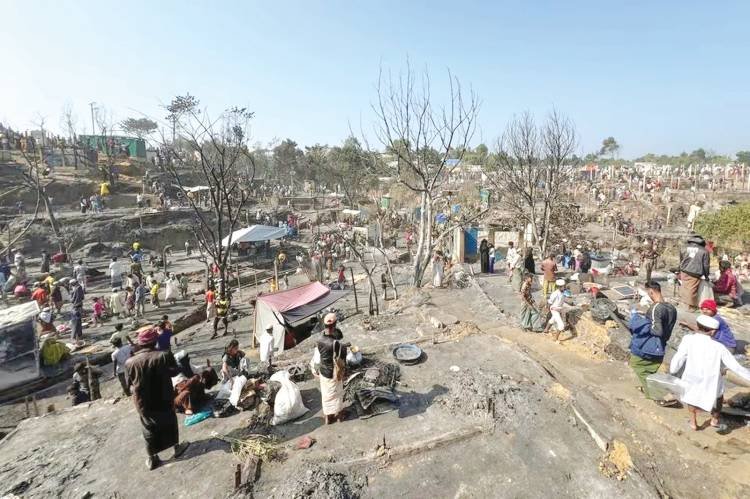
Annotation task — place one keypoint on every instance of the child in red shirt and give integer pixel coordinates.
(98, 312)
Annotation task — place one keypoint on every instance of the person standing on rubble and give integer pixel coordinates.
(115, 274)
(528, 262)
(79, 273)
(650, 334)
(77, 296)
(150, 373)
(44, 268)
(549, 267)
(694, 268)
(329, 364)
(703, 360)
(511, 257)
(529, 317)
(555, 302)
(484, 256)
(223, 305)
(210, 304)
(184, 283)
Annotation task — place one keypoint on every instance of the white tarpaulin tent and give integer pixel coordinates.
(254, 234)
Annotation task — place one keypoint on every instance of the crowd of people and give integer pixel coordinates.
(701, 357)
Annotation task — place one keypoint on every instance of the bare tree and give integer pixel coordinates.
(107, 144)
(216, 151)
(34, 177)
(69, 123)
(532, 167)
(25, 176)
(428, 142)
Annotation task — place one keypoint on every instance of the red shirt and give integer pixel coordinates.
(40, 296)
(210, 296)
(726, 285)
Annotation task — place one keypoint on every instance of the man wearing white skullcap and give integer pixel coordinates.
(703, 384)
(555, 302)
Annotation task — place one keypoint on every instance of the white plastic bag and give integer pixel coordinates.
(225, 390)
(237, 383)
(288, 404)
(705, 291)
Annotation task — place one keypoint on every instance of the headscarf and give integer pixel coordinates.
(148, 336)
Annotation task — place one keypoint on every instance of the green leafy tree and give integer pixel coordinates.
(288, 160)
(699, 155)
(140, 127)
(743, 157)
(728, 227)
(352, 168)
(610, 147)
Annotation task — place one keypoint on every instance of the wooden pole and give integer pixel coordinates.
(354, 287)
(239, 284)
(276, 273)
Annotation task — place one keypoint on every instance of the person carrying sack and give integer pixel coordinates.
(650, 334)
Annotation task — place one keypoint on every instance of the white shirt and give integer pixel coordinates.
(702, 379)
(556, 300)
(265, 347)
(511, 255)
(80, 273)
(121, 355)
(513, 258)
(114, 269)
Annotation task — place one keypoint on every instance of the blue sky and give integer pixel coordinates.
(659, 76)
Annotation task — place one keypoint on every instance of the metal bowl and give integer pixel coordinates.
(407, 353)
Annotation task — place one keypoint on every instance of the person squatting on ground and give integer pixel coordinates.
(230, 361)
(329, 364)
(726, 287)
(703, 358)
(723, 333)
(650, 334)
(150, 372)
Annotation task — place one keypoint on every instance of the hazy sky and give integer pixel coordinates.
(660, 76)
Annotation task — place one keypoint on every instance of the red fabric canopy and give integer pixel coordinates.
(293, 298)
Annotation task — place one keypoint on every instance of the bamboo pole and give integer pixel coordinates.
(354, 287)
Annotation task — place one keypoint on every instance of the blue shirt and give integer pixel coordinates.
(724, 335)
(163, 342)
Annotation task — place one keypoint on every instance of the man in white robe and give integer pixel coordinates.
(702, 380)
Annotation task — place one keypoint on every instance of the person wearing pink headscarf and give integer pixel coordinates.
(150, 372)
